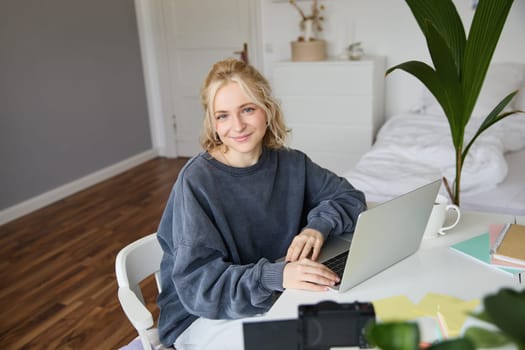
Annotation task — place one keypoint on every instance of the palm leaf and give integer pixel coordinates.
(493, 117)
(484, 34)
(452, 100)
(447, 22)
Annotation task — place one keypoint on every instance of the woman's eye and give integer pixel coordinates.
(221, 116)
(248, 110)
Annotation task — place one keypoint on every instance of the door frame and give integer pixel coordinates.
(154, 53)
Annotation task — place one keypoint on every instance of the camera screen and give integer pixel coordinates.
(330, 329)
(329, 324)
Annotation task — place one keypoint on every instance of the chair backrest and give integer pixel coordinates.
(137, 261)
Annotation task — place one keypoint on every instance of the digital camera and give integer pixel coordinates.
(329, 324)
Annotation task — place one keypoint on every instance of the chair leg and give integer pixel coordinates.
(146, 345)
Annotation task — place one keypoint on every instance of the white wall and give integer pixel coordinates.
(385, 27)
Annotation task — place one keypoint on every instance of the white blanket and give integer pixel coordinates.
(413, 149)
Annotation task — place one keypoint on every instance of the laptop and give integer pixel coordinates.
(383, 236)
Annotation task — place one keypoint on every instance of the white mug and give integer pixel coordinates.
(438, 217)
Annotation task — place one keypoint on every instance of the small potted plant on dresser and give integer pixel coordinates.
(308, 47)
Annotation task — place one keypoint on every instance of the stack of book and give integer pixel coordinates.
(502, 247)
(507, 245)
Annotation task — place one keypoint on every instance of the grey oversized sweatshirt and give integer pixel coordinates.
(223, 228)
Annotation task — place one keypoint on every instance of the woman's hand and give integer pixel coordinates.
(308, 275)
(306, 244)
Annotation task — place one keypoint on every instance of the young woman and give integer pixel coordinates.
(238, 207)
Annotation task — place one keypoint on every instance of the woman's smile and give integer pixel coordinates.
(241, 138)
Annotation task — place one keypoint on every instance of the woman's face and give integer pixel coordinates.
(240, 123)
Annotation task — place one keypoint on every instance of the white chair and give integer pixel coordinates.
(135, 262)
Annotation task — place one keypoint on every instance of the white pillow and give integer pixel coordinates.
(501, 79)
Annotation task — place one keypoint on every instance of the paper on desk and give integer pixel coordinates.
(453, 312)
(397, 308)
(449, 313)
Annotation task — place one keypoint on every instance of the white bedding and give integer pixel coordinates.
(414, 148)
(509, 196)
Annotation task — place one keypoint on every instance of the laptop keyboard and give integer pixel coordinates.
(337, 263)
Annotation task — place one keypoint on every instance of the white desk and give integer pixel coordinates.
(434, 268)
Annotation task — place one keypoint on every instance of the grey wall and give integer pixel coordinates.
(72, 96)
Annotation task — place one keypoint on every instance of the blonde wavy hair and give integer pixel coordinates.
(256, 87)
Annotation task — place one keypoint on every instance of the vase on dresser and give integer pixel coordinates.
(313, 50)
(308, 47)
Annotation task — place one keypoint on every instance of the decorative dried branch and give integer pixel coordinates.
(315, 15)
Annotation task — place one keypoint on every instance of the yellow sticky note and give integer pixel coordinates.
(451, 311)
(396, 308)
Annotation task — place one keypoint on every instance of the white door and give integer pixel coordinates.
(199, 33)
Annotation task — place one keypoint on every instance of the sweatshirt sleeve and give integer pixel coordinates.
(333, 203)
(206, 280)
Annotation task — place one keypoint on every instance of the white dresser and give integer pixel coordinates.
(333, 107)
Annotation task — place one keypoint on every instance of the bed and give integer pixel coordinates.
(415, 147)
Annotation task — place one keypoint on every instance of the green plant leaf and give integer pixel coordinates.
(484, 338)
(447, 22)
(481, 315)
(429, 77)
(445, 36)
(453, 344)
(394, 335)
(491, 119)
(494, 115)
(485, 30)
(506, 309)
(426, 74)
(442, 57)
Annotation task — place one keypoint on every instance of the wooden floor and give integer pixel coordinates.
(58, 287)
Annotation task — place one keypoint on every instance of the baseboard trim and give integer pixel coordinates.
(32, 204)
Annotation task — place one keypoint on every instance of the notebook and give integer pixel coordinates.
(383, 236)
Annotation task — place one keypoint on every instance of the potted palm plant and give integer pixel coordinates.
(460, 66)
